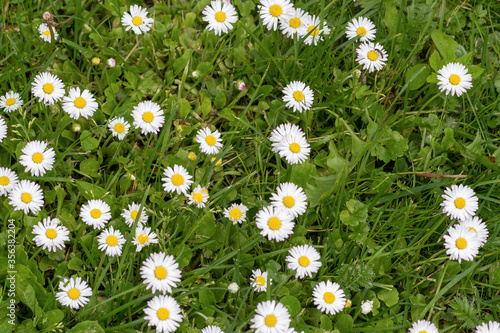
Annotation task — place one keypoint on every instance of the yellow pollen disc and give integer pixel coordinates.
(235, 213)
(460, 203)
(133, 214)
(160, 272)
(289, 201)
(205, 190)
(192, 156)
(461, 243)
(472, 229)
(210, 140)
(48, 88)
(348, 303)
(313, 33)
(329, 297)
(10, 101)
(148, 117)
(163, 314)
(304, 261)
(119, 128)
(143, 238)
(295, 147)
(112, 240)
(26, 197)
(275, 10)
(294, 22)
(198, 197)
(137, 20)
(95, 213)
(37, 158)
(422, 332)
(51, 233)
(80, 102)
(454, 79)
(46, 33)
(372, 55)
(361, 31)
(177, 180)
(271, 320)
(274, 223)
(74, 293)
(220, 16)
(298, 96)
(4, 181)
(260, 281)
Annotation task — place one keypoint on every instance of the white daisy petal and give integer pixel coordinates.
(271, 317)
(79, 103)
(137, 20)
(460, 202)
(11, 101)
(290, 198)
(48, 88)
(111, 241)
(164, 313)
(119, 127)
(74, 292)
(237, 213)
(275, 223)
(361, 27)
(220, 17)
(461, 243)
(8, 179)
(328, 297)
(314, 29)
(272, 11)
(44, 31)
(423, 326)
(198, 197)
(160, 273)
(476, 225)
(148, 116)
(26, 196)
(177, 179)
(144, 237)
(371, 56)
(37, 158)
(96, 213)
(259, 280)
(304, 260)
(489, 327)
(210, 142)
(298, 96)
(130, 214)
(50, 235)
(453, 78)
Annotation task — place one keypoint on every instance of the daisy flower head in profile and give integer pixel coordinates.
(361, 27)
(11, 101)
(50, 235)
(366, 307)
(304, 260)
(111, 241)
(461, 243)
(8, 179)
(210, 142)
(274, 223)
(233, 287)
(293, 147)
(79, 103)
(96, 213)
(44, 31)
(119, 127)
(37, 158)
(48, 88)
(298, 96)
(259, 280)
(290, 198)
(148, 116)
(475, 224)
(314, 29)
(164, 313)
(328, 297)
(177, 179)
(160, 273)
(423, 326)
(220, 17)
(293, 25)
(3, 129)
(284, 131)
(236, 213)
(212, 329)
(199, 197)
(26, 196)
(130, 214)
(137, 20)
(272, 11)
(74, 292)
(489, 327)
(453, 78)
(460, 202)
(144, 237)
(371, 56)
(271, 317)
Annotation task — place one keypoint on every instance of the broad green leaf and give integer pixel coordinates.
(326, 323)
(391, 17)
(90, 167)
(344, 323)
(90, 191)
(445, 44)
(355, 213)
(88, 142)
(475, 71)
(465, 59)
(292, 304)
(389, 297)
(220, 100)
(87, 327)
(435, 61)
(448, 139)
(416, 76)
(184, 108)
(432, 78)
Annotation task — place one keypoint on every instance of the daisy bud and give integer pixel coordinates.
(192, 156)
(87, 28)
(111, 62)
(196, 74)
(96, 61)
(348, 303)
(233, 287)
(366, 307)
(356, 73)
(241, 85)
(76, 127)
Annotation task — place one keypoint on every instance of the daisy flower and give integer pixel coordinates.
(96, 61)
(111, 62)
(119, 127)
(272, 11)
(137, 20)
(423, 326)
(490, 327)
(212, 329)
(460, 202)
(476, 225)
(293, 25)
(271, 317)
(164, 313)
(130, 214)
(237, 213)
(26, 196)
(37, 158)
(291, 198)
(314, 29)
(298, 96)
(192, 156)
(96, 213)
(3, 129)
(111, 241)
(361, 27)
(210, 142)
(233, 287)
(198, 197)
(11, 102)
(366, 307)
(144, 237)
(461, 243)
(371, 56)
(220, 17)
(44, 31)
(328, 297)
(160, 273)
(79, 103)
(284, 131)
(177, 179)
(8, 179)
(294, 148)
(259, 280)
(453, 78)
(74, 292)
(50, 235)
(148, 116)
(274, 223)
(48, 88)
(304, 260)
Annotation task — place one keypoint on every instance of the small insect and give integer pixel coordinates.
(379, 52)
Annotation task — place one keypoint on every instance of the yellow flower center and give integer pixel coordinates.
(177, 180)
(137, 21)
(26, 197)
(142, 238)
(80, 102)
(51, 233)
(295, 147)
(289, 201)
(148, 117)
(329, 297)
(348, 303)
(119, 128)
(271, 320)
(460, 203)
(472, 229)
(260, 281)
(361, 31)
(192, 156)
(96, 61)
(163, 314)
(274, 223)
(220, 16)
(454, 79)
(422, 332)
(74, 293)
(315, 31)
(95, 213)
(210, 139)
(10, 101)
(48, 88)
(235, 213)
(37, 157)
(275, 10)
(160, 272)
(294, 22)
(133, 214)
(198, 197)
(372, 55)
(112, 240)
(298, 96)
(4, 181)
(304, 261)
(461, 243)
(46, 32)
